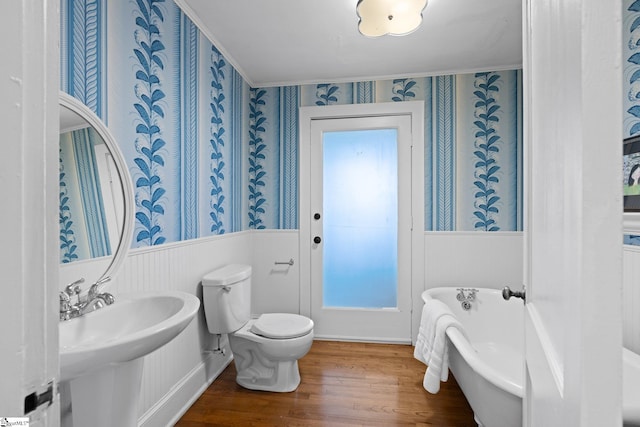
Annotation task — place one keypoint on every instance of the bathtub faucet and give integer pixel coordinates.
(466, 296)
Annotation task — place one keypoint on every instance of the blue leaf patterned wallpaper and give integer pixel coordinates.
(217, 143)
(173, 104)
(210, 155)
(631, 66)
(489, 152)
(68, 244)
(257, 157)
(82, 44)
(473, 143)
(631, 78)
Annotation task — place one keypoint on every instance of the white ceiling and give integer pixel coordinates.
(291, 42)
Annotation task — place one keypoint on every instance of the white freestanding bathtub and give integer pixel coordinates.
(488, 365)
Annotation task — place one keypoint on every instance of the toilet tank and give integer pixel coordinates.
(226, 295)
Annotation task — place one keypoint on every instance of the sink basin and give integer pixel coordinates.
(135, 325)
(101, 355)
(630, 388)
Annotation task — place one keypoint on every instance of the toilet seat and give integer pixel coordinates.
(282, 325)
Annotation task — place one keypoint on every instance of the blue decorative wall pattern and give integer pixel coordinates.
(82, 39)
(89, 189)
(150, 143)
(257, 155)
(630, 239)
(444, 139)
(429, 190)
(489, 137)
(487, 146)
(217, 142)
(236, 151)
(68, 244)
(438, 143)
(222, 134)
(631, 55)
(289, 104)
(326, 94)
(157, 83)
(83, 222)
(273, 157)
(365, 92)
(333, 93)
(208, 154)
(189, 108)
(631, 80)
(402, 90)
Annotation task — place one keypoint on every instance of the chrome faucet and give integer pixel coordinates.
(466, 296)
(67, 309)
(83, 305)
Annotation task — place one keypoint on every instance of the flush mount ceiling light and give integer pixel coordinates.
(394, 17)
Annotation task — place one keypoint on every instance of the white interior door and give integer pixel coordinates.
(573, 227)
(361, 228)
(389, 322)
(29, 176)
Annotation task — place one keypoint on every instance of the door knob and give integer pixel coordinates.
(316, 216)
(507, 293)
(317, 240)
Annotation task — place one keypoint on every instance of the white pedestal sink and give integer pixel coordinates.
(101, 353)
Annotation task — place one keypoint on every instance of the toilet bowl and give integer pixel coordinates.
(265, 349)
(271, 363)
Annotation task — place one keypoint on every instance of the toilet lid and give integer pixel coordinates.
(282, 325)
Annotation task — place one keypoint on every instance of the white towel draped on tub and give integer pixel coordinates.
(431, 345)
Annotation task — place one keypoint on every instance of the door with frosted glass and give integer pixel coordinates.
(361, 228)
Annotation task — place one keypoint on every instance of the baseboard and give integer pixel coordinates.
(362, 339)
(168, 410)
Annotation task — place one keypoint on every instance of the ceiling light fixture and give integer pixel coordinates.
(394, 17)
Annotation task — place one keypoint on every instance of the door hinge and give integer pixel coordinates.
(32, 401)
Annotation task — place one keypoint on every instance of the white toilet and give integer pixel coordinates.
(266, 350)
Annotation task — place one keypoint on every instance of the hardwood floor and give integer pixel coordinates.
(343, 384)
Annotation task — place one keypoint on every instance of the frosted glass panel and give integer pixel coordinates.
(360, 225)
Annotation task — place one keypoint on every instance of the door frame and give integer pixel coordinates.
(414, 109)
(573, 243)
(29, 173)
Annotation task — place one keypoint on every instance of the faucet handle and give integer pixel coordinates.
(65, 301)
(74, 287)
(108, 298)
(94, 290)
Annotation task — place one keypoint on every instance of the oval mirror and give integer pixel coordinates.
(96, 198)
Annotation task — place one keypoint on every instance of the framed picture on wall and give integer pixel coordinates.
(631, 173)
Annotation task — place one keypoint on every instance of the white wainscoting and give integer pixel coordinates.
(174, 372)
(175, 375)
(631, 297)
(490, 260)
(178, 373)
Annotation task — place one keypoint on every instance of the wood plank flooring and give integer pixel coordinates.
(343, 384)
